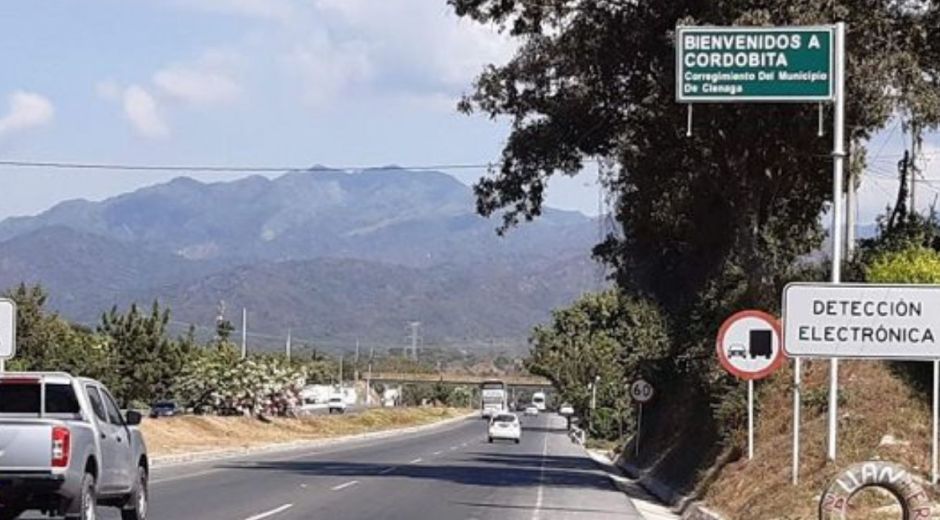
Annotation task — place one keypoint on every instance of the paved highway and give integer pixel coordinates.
(447, 473)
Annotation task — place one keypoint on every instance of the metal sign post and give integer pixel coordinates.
(936, 421)
(7, 331)
(641, 392)
(838, 160)
(749, 346)
(639, 428)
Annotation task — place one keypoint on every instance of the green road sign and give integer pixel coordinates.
(735, 64)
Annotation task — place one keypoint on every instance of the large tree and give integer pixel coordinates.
(726, 211)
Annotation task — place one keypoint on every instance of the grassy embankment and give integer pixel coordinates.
(881, 417)
(194, 434)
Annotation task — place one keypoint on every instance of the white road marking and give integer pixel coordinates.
(344, 486)
(386, 471)
(454, 448)
(272, 512)
(540, 496)
(415, 461)
(436, 453)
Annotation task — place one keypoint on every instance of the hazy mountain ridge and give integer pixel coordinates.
(330, 254)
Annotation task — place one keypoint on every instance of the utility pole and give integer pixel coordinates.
(415, 325)
(915, 152)
(851, 202)
(244, 332)
(341, 370)
(356, 364)
(369, 378)
(288, 345)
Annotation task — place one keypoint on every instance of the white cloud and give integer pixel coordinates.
(197, 84)
(437, 49)
(27, 110)
(395, 48)
(325, 69)
(142, 111)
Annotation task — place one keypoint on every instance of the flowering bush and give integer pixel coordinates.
(219, 383)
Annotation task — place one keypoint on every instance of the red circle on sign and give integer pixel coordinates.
(723, 358)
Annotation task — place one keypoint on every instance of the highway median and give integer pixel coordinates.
(191, 438)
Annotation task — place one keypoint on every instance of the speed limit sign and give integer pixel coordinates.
(641, 391)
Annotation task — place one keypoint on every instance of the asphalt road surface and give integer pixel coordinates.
(450, 472)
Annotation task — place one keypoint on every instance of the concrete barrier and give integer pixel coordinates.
(915, 503)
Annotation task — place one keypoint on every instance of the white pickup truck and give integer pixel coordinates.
(66, 449)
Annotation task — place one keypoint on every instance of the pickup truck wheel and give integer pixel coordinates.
(88, 502)
(136, 506)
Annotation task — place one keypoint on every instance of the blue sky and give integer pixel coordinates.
(239, 82)
(257, 82)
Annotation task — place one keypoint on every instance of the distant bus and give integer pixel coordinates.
(494, 398)
(538, 401)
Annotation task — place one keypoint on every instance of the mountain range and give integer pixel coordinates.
(331, 255)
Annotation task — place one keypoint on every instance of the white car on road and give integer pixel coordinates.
(505, 426)
(336, 405)
(531, 410)
(566, 410)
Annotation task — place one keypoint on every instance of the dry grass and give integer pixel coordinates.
(194, 434)
(874, 403)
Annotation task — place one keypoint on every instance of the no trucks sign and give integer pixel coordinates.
(735, 64)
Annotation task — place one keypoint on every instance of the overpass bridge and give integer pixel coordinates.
(516, 380)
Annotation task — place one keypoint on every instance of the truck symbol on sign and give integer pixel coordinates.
(761, 343)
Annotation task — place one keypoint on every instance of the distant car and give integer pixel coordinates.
(566, 409)
(336, 405)
(505, 426)
(531, 410)
(737, 350)
(163, 409)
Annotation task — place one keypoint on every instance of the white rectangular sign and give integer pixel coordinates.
(7, 329)
(862, 321)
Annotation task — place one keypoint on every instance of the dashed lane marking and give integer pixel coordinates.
(344, 486)
(272, 512)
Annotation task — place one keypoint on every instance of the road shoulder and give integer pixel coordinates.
(645, 503)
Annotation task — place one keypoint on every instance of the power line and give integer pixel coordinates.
(230, 169)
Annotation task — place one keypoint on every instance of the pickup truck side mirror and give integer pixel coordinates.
(133, 418)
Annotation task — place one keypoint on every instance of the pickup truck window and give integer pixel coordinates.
(23, 398)
(114, 416)
(96, 404)
(61, 399)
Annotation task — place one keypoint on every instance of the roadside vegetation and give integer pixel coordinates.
(133, 353)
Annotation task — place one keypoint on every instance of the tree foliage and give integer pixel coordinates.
(46, 342)
(914, 265)
(608, 337)
(146, 360)
(744, 193)
(715, 222)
